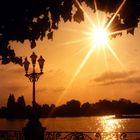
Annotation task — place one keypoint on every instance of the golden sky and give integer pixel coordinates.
(69, 74)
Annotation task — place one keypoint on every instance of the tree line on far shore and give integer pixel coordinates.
(19, 109)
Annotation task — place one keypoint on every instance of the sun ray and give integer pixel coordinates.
(113, 17)
(116, 32)
(87, 33)
(71, 30)
(81, 50)
(115, 55)
(97, 15)
(101, 24)
(87, 16)
(82, 64)
(75, 74)
(105, 59)
(75, 41)
(104, 21)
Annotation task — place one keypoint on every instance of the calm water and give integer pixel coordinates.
(106, 124)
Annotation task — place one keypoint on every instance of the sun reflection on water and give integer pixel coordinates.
(108, 125)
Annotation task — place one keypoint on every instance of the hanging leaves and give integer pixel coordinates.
(32, 19)
(78, 16)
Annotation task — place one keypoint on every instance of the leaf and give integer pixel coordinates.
(50, 35)
(33, 43)
(78, 16)
(130, 31)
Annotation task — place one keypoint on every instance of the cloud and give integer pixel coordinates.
(42, 90)
(51, 90)
(58, 89)
(14, 88)
(133, 80)
(18, 70)
(11, 69)
(53, 74)
(109, 77)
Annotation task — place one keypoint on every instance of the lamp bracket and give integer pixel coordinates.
(33, 77)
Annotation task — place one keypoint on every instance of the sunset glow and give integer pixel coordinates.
(83, 62)
(97, 38)
(100, 36)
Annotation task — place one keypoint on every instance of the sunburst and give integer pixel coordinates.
(99, 36)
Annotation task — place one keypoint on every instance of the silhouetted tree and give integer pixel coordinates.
(11, 106)
(21, 102)
(21, 107)
(72, 108)
(103, 107)
(45, 109)
(33, 19)
(52, 110)
(61, 111)
(87, 109)
(3, 112)
(11, 101)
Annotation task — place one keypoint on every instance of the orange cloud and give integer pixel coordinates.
(109, 75)
(109, 78)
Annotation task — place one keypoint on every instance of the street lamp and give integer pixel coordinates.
(34, 76)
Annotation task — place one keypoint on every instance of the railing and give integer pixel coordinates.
(92, 136)
(11, 135)
(18, 135)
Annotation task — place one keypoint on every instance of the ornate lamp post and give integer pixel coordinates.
(34, 129)
(34, 76)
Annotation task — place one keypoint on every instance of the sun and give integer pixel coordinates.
(100, 36)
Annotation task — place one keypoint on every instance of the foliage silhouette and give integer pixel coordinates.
(34, 19)
(72, 108)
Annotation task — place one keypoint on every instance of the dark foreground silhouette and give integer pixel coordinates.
(19, 109)
(34, 20)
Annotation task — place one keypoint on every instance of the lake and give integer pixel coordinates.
(89, 124)
(106, 124)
